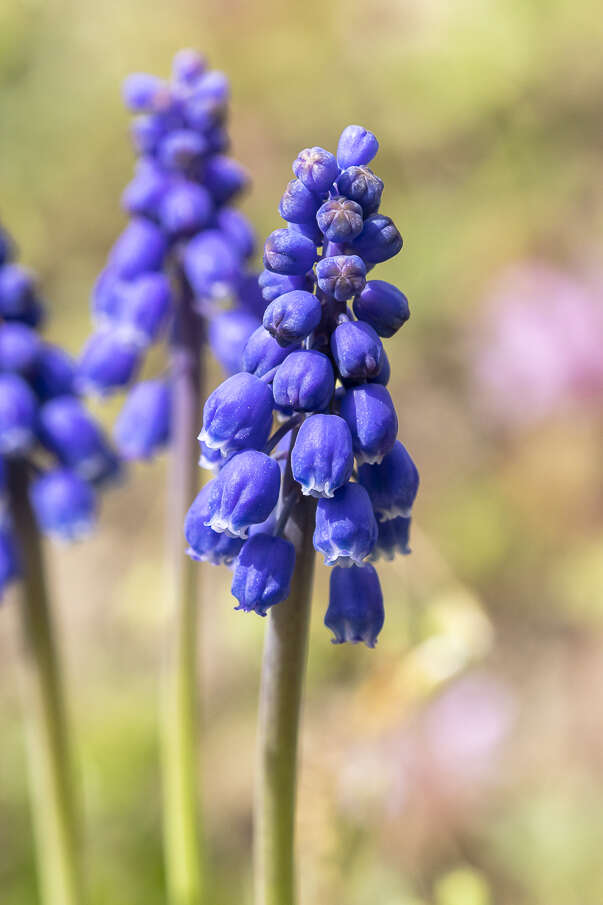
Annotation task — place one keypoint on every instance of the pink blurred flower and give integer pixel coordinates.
(539, 343)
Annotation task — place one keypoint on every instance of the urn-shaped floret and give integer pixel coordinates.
(379, 240)
(292, 316)
(54, 373)
(145, 307)
(357, 146)
(304, 381)
(322, 459)
(20, 347)
(143, 425)
(371, 417)
(355, 611)
(64, 504)
(262, 353)
(238, 231)
(18, 298)
(298, 204)
(274, 284)
(316, 168)
(362, 186)
(289, 253)
(392, 484)
(393, 538)
(109, 361)
(382, 306)
(143, 92)
(18, 413)
(340, 219)
(357, 350)
(140, 248)
(262, 573)
(211, 264)
(75, 438)
(238, 414)
(228, 334)
(185, 208)
(341, 276)
(205, 544)
(244, 493)
(346, 530)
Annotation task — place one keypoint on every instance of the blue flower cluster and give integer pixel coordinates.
(323, 369)
(185, 246)
(42, 421)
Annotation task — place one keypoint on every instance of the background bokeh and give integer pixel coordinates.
(460, 762)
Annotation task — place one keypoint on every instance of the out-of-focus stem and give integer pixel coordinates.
(51, 783)
(283, 671)
(181, 708)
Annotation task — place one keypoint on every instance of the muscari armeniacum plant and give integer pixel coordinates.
(177, 277)
(332, 478)
(54, 458)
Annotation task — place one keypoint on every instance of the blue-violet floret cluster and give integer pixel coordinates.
(43, 423)
(318, 362)
(185, 246)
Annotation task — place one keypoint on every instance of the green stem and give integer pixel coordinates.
(283, 670)
(50, 761)
(181, 706)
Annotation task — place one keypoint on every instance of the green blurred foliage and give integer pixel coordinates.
(489, 120)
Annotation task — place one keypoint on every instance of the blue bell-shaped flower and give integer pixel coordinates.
(292, 316)
(18, 415)
(76, 439)
(360, 184)
(64, 504)
(379, 240)
(340, 219)
(143, 425)
(262, 353)
(54, 373)
(346, 530)
(392, 484)
(262, 573)
(140, 248)
(371, 417)
(109, 361)
(274, 284)
(382, 306)
(289, 253)
(357, 350)
(244, 493)
(228, 334)
(238, 414)
(355, 611)
(205, 544)
(304, 381)
(20, 347)
(298, 204)
(356, 147)
(322, 459)
(341, 276)
(316, 168)
(393, 538)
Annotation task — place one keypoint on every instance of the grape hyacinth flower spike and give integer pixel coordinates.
(345, 485)
(54, 460)
(179, 277)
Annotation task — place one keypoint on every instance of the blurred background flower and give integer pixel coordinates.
(489, 120)
(538, 349)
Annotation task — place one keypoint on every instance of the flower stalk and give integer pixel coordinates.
(181, 699)
(51, 781)
(283, 671)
